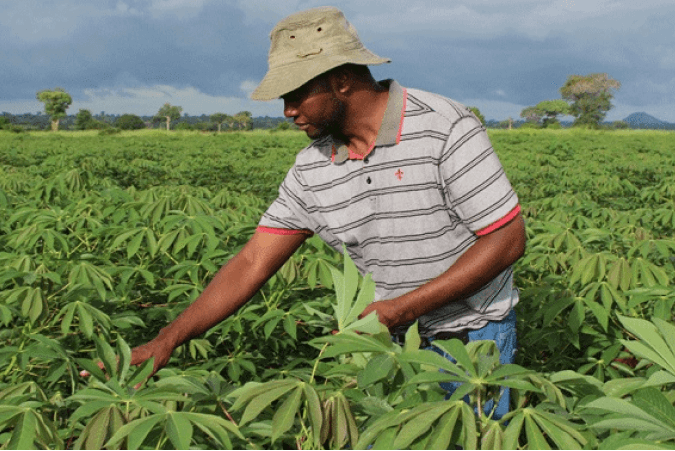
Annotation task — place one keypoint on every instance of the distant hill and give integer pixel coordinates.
(644, 120)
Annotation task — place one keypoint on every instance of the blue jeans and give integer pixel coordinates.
(503, 333)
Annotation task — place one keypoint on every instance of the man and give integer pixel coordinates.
(407, 180)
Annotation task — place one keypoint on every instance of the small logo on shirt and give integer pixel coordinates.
(399, 174)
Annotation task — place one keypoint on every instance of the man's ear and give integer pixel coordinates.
(341, 81)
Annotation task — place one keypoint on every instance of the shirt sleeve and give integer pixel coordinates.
(475, 183)
(289, 214)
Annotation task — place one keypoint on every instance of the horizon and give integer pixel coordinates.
(562, 120)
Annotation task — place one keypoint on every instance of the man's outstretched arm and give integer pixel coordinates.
(236, 282)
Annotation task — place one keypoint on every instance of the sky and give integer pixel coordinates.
(132, 56)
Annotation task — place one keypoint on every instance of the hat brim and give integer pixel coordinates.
(283, 79)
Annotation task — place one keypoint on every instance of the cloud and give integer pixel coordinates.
(270, 12)
(495, 109)
(248, 86)
(181, 9)
(506, 54)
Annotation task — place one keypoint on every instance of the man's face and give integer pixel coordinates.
(315, 109)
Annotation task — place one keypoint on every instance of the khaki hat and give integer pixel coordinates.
(307, 44)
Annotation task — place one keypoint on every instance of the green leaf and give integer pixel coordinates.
(654, 347)
(107, 356)
(576, 318)
(346, 285)
(421, 423)
(457, 350)
(86, 321)
(622, 407)
(179, 430)
(349, 342)
(314, 412)
(92, 369)
(137, 430)
(365, 297)
(141, 373)
(370, 325)
(535, 439)
(412, 338)
(512, 432)
(134, 245)
(667, 330)
(469, 431)
(599, 312)
(285, 415)
(68, 311)
(445, 431)
(559, 436)
(260, 402)
(124, 355)
(376, 369)
(375, 406)
(95, 433)
(657, 405)
(290, 327)
(23, 435)
(431, 358)
(508, 370)
(5, 315)
(271, 325)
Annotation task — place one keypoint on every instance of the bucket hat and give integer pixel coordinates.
(307, 44)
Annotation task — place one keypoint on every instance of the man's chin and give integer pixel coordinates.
(315, 133)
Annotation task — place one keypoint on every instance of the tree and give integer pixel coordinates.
(56, 103)
(129, 122)
(620, 125)
(476, 111)
(83, 119)
(243, 119)
(551, 109)
(220, 118)
(531, 114)
(170, 113)
(548, 110)
(591, 97)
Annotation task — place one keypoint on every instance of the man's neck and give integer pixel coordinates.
(363, 118)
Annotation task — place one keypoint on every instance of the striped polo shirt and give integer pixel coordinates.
(429, 185)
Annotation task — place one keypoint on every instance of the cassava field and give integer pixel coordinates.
(105, 239)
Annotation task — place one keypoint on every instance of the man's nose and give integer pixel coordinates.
(290, 109)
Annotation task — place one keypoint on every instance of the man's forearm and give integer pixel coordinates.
(481, 263)
(234, 284)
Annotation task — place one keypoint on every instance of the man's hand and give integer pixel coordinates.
(159, 348)
(386, 311)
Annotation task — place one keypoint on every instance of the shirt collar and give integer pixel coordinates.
(389, 133)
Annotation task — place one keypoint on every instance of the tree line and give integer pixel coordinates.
(58, 100)
(585, 97)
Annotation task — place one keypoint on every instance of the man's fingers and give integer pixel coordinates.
(85, 373)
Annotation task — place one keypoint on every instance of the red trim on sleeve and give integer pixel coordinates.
(276, 231)
(400, 127)
(495, 225)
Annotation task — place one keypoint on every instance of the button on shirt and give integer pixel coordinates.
(428, 186)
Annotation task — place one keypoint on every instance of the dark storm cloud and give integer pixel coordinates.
(212, 51)
(498, 56)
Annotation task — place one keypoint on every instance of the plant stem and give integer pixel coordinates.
(316, 363)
